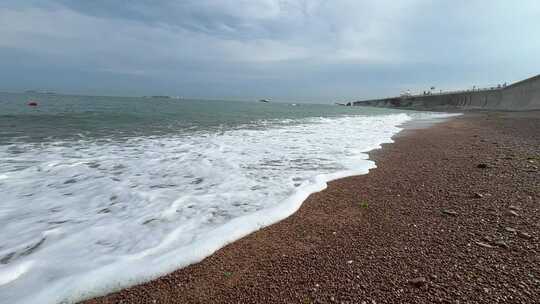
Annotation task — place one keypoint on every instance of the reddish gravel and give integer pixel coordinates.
(429, 225)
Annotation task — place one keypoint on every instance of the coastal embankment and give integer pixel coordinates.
(451, 214)
(520, 96)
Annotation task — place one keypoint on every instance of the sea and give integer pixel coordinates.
(101, 193)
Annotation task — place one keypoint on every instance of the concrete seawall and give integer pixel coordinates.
(520, 96)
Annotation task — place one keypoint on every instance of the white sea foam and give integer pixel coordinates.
(82, 218)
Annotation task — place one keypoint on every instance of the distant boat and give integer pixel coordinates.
(32, 103)
(264, 100)
(40, 92)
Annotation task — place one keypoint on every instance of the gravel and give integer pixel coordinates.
(403, 250)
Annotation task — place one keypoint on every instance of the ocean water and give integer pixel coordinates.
(99, 193)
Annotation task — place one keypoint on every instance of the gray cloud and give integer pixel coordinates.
(246, 48)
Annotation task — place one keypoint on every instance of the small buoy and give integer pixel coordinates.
(32, 103)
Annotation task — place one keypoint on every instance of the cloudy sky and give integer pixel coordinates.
(303, 50)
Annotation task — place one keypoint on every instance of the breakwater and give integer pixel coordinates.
(520, 96)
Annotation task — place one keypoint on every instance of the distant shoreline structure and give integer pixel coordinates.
(523, 95)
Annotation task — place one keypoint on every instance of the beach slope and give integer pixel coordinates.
(452, 213)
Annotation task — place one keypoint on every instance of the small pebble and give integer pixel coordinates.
(418, 281)
(510, 229)
(524, 235)
(502, 244)
(449, 212)
(512, 212)
(478, 195)
(483, 245)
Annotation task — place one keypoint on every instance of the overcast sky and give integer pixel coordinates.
(303, 50)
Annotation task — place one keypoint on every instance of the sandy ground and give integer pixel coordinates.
(451, 215)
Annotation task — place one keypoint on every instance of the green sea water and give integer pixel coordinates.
(65, 117)
(106, 192)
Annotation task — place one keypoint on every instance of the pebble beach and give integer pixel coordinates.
(449, 215)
